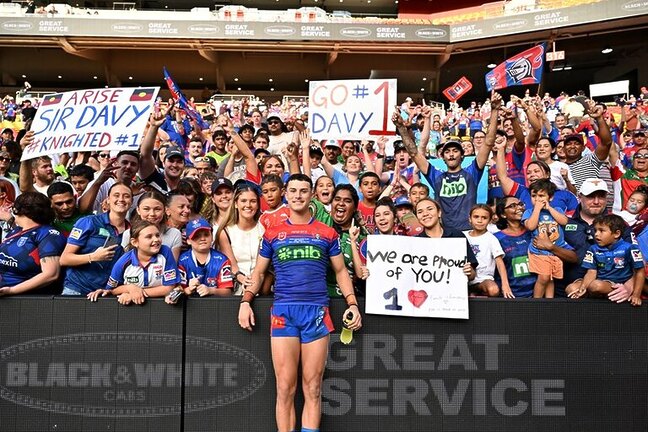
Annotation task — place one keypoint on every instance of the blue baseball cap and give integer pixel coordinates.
(193, 226)
(403, 201)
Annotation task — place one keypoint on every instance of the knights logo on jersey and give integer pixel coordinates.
(226, 274)
(282, 236)
(21, 241)
(212, 282)
(619, 262)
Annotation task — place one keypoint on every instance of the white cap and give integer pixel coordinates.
(332, 143)
(592, 185)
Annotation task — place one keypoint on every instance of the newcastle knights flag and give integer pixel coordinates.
(182, 101)
(458, 89)
(522, 69)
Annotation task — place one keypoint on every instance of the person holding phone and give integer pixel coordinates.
(94, 244)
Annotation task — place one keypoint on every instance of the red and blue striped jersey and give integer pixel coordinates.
(300, 255)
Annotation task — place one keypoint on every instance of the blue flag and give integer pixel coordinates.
(182, 101)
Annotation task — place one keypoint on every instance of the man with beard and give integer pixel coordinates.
(42, 175)
(173, 164)
(279, 137)
(455, 188)
(579, 233)
(332, 151)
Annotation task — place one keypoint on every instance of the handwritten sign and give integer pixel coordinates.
(351, 109)
(91, 120)
(417, 277)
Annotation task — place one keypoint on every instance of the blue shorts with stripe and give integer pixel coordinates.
(307, 322)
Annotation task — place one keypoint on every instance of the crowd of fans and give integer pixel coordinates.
(563, 214)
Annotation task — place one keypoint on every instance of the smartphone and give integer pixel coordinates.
(175, 295)
(111, 241)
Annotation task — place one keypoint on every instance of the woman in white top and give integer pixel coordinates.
(150, 207)
(560, 174)
(241, 236)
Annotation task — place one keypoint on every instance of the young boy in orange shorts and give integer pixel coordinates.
(546, 223)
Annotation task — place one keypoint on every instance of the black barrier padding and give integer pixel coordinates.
(399, 374)
(251, 389)
(87, 364)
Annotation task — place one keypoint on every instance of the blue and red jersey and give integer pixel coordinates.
(616, 263)
(22, 251)
(300, 255)
(215, 273)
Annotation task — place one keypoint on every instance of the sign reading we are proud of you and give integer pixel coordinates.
(419, 277)
(91, 120)
(351, 109)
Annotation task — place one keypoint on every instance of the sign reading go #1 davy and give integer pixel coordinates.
(91, 120)
(417, 277)
(351, 109)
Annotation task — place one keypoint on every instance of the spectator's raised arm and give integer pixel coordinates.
(147, 161)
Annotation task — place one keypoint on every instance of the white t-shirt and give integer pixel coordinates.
(556, 177)
(486, 248)
(245, 245)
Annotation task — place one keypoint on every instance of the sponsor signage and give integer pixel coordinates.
(498, 371)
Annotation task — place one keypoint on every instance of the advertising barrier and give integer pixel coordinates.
(532, 365)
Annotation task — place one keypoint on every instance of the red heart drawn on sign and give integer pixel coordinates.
(417, 298)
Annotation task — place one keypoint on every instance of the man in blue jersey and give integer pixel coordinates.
(456, 187)
(301, 323)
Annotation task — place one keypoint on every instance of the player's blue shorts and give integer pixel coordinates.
(307, 322)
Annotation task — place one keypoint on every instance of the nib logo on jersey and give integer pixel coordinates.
(293, 252)
(127, 374)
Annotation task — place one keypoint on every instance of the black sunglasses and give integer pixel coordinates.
(4, 159)
(274, 122)
(104, 155)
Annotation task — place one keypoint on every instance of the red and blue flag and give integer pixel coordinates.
(522, 69)
(182, 102)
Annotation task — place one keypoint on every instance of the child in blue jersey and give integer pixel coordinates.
(612, 261)
(147, 270)
(544, 220)
(203, 271)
